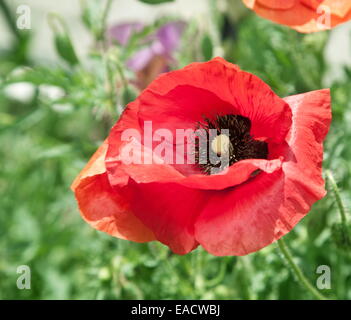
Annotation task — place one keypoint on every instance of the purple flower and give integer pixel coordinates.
(162, 43)
(123, 32)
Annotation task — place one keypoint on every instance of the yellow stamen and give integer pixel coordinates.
(221, 144)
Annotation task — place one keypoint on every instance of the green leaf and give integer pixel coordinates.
(65, 49)
(155, 1)
(128, 95)
(207, 47)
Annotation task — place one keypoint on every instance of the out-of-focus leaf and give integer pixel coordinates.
(93, 16)
(128, 95)
(342, 236)
(155, 1)
(316, 222)
(207, 47)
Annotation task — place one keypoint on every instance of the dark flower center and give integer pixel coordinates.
(224, 141)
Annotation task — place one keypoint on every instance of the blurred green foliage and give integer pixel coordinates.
(47, 139)
(155, 1)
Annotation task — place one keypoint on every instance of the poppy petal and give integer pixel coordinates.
(219, 87)
(127, 121)
(169, 210)
(303, 15)
(338, 8)
(278, 4)
(314, 25)
(102, 207)
(299, 14)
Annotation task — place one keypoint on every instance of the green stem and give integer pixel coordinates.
(297, 271)
(220, 276)
(245, 277)
(104, 17)
(336, 191)
(110, 79)
(299, 61)
(214, 28)
(10, 19)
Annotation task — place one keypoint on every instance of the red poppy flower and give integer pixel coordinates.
(274, 174)
(303, 15)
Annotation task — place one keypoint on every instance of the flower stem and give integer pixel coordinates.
(297, 271)
(10, 19)
(336, 191)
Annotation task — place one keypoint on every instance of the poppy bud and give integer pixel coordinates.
(341, 233)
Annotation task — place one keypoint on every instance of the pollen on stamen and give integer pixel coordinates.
(221, 144)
